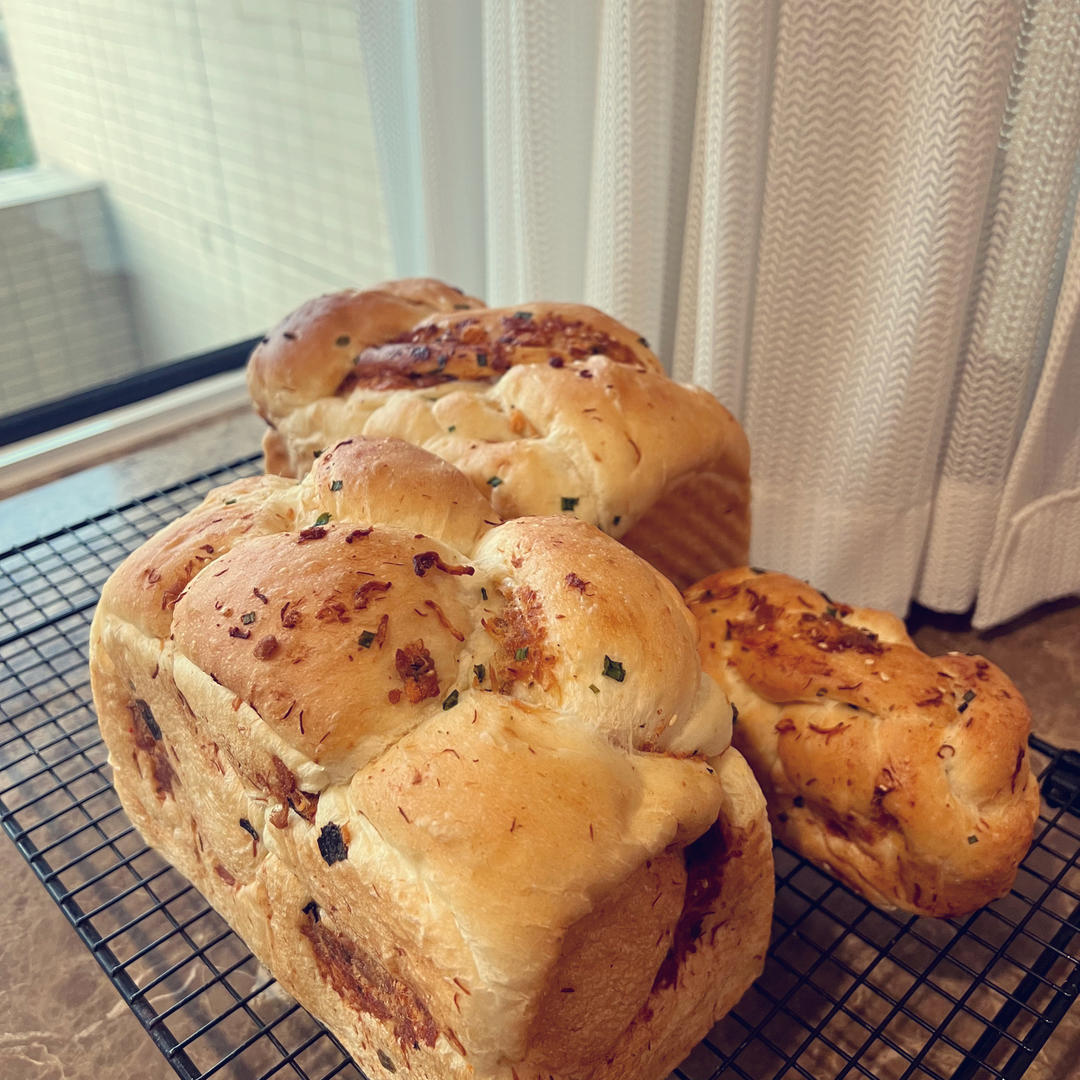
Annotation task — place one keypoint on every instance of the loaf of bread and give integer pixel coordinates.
(548, 409)
(461, 785)
(903, 774)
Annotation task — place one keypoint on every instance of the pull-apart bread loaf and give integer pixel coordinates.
(461, 786)
(906, 775)
(547, 408)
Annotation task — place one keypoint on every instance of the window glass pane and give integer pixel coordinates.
(203, 168)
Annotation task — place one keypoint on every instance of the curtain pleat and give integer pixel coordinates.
(448, 48)
(853, 223)
(539, 93)
(727, 181)
(1014, 305)
(877, 181)
(1036, 541)
(643, 132)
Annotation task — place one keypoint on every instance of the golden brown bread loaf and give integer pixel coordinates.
(430, 769)
(906, 775)
(547, 408)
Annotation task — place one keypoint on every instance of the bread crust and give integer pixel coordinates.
(548, 408)
(905, 775)
(384, 735)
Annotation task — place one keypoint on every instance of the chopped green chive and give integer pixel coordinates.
(481, 359)
(336, 485)
(322, 519)
(479, 671)
(758, 570)
(522, 654)
(594, 688)
(643, 341)
(831, 612)
(973, 839)
(494, 481)
(247, 618)
(483, 593)
(365, 639)
(569, 503)
(451, 700)
(613, 669)
(342, 341)
(969, 696)
(523, 314)
(452, 427)
(229, 502)
(316, 453)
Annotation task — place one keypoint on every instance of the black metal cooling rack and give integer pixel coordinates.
(848, 991)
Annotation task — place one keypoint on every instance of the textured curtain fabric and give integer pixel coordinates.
(854, 223)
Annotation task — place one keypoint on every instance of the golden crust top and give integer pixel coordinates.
(905, 774)
(419, 333)
(404, 691)
(548, 408)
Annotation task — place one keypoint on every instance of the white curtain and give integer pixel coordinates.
(854, 223)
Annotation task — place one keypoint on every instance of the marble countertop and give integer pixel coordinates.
(61, 1019)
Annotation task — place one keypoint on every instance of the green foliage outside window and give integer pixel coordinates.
(16, 149)
(15, 146)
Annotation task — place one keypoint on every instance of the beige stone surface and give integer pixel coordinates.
(60, 1017)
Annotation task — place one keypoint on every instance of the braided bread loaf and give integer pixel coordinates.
(430, 770)
(547, 408)
(906, 775)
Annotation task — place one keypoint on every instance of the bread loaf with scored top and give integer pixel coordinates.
(430, 769)
(904, 774)
(548, 408)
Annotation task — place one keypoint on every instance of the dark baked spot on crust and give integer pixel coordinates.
(705, 861)
(266, 647)
(367, 986)
(332, 846)
(465, 349)
(224, 874)
(283, 787)
(147, 717)
(521, 633)
(250, 830)
(416, 669)
(148, 739)
(424, 561)
(369, 591)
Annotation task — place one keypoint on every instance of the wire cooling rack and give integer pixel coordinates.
(848, 991)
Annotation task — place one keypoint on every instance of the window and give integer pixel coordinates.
(197, 178)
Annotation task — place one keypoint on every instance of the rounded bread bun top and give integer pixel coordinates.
(907, 774)
(552, 608)
(419, 333)
(546, 407)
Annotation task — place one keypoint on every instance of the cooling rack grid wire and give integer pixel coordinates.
(848, 991)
